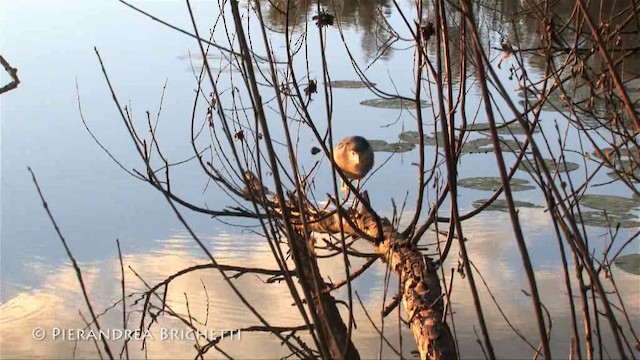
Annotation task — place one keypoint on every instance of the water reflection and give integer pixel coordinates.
(365, 17)
(211, 301)
(521, 25)
(48, 295)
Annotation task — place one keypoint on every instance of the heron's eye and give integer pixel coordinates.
(353, 153)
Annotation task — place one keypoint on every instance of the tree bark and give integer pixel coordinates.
(330, 327)
(421, 293)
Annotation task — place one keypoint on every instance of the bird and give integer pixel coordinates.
(354, 156)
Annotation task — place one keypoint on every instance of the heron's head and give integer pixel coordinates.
(354, 157)
(357, 147)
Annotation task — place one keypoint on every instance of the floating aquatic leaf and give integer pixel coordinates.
(482, 145)
(629, 263)
(629, 164)
(548, 105)
(434, 140)
(412, 137)
(393, 103)
(513, 128)
(350, 84)
(378, 145)
(554, 102)
(501, 205)
(409, 136)
(611, 203)
(510, 145)
(485, 145)
(598, 218)
(623, 161)
(529, 95)
(381, 145)
(636, 174)
(529, 166)
(582, 97)
(612, 155)
(400, 147)
(489, 183)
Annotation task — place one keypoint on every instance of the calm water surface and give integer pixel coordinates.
(95, 202)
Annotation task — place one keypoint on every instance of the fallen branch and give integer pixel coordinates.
(421, 294)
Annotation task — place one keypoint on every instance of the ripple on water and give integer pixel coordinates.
(23, 306)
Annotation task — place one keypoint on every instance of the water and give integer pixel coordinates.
(95, 202)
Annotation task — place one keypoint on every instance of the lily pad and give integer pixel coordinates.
(394, 103)
(501, 205)
(553, 102)
(581, 94)
(625, 165)
(636, 174)
(611, 203)
(383, 146)
(629, 263)
(409, 136)
(529, 166)
(350, 84)
(434, 140)
(612, 154)
(378, 145)
(485, 145)
(489, 183)
(598, 218)
(412, 137)
(529, 95)
(399, 147)
(623, 160)
(513, 128)
(482, 145)
(510, 145)
(549, 104)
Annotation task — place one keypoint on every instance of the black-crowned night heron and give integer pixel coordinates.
(354, 156)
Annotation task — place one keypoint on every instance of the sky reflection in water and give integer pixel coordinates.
(95, 202)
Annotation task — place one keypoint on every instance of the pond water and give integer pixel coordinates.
(94, 202)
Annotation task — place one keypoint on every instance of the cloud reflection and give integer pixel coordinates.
(56, 304)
